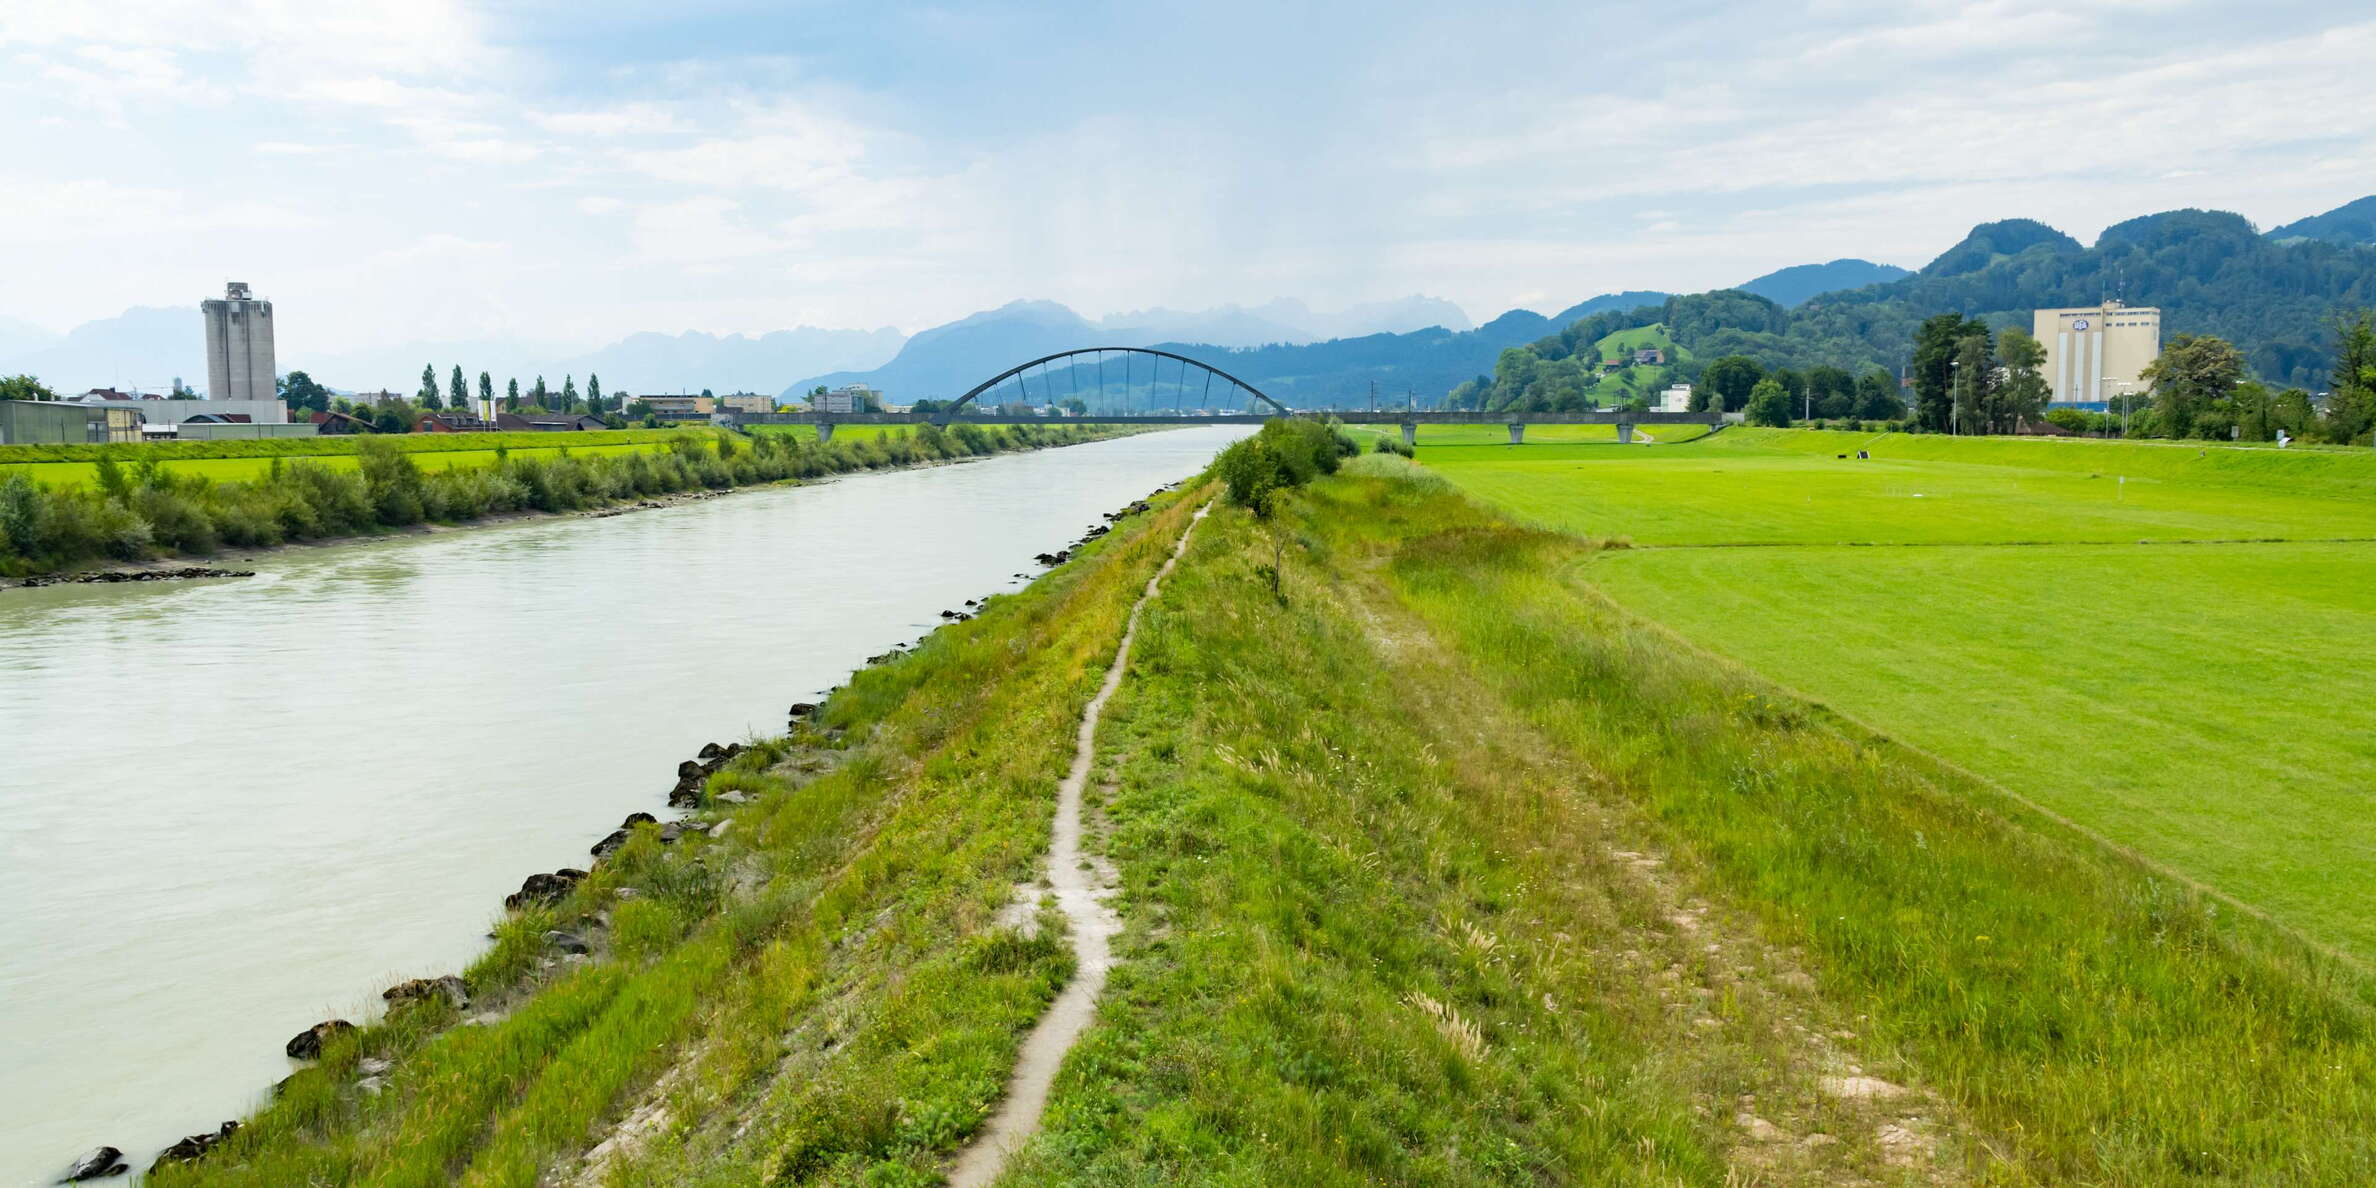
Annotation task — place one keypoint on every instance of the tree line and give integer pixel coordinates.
(303, 394)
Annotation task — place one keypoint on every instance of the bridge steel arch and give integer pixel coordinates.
(944, 415)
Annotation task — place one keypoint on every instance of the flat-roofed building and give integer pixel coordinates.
(2096, 352)
(680, 405)
(849, 398)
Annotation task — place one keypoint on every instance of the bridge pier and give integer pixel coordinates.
(1625, 433)
(824, 433)
(1410, 435)
(1517, 433)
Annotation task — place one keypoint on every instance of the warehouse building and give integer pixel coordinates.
(2095, 353)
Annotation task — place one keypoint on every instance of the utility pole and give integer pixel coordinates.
(1955, 398)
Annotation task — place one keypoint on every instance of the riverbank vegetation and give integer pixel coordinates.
(2108, 629)
(826, 983)
(138, 506)
(1436, 864)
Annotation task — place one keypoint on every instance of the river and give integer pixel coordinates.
(229, 809)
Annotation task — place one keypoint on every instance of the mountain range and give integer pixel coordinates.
(1421, 362)
(149, 347)
(2209, 271)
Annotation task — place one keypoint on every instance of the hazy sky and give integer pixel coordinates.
(435, 169)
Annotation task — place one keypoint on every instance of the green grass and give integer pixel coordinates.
(2211, 706)
(237, 470)
(2086, 1020)
(831, 980)
(1476, 435)
(315, 447)
(1770, 487)
(853, 432)
(1633, 339)
(1440, 867)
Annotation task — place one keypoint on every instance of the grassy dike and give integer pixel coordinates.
(1441, 868)
(1452, 871)
(832, 990)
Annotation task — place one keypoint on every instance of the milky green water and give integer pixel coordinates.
(229, 809)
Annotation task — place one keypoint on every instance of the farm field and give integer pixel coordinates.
(82, 474)
(1764, 488)
(1497, 435)
(2212, 706)
(429, 452)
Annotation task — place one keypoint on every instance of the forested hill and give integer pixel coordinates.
(1425, 363)
(2210, 272)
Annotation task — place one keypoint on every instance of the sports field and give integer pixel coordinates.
(2211, 705)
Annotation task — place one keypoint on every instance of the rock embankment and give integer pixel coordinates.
(112, 576)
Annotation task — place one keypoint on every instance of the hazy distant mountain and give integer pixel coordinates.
(1400, 316)
(1793, 285)
(2350, 223)
(1630, 299)
(18, 338)
(143, 348)
(946, 360)
(693, 360)
(1284, 320)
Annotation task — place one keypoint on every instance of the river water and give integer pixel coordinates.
(229, 809)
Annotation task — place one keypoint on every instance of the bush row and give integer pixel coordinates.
(145, 511)
(127, 453)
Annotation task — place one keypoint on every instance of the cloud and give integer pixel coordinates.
(588, 170)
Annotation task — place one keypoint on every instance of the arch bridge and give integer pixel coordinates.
(1168, 388)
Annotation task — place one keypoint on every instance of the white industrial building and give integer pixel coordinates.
(239, 362)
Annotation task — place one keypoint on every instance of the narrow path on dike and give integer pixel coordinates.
(1080, 895)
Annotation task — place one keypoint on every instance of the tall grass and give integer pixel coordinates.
(2102, 1023)
(825, 994)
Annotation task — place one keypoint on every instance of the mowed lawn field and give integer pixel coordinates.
(2212, 706)
(1765, 487)
(1499, 435)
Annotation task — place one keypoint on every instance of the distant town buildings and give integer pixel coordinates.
(747, 402)
(2096, 353)
(157, 412)
(846, 399)
(549, 422)
(239, 363)
(56, 422)
(680, 405)
(1676, 398)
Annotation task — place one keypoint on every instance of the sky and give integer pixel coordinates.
(572, 172)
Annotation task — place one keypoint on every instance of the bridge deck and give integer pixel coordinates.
(1373, 416)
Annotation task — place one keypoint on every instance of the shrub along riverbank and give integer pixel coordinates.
(145, 510)
(1436, 867)
(828, 979)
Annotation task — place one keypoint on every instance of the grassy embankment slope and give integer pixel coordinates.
(243, 461)
(824, 992)
(2211, 705)
(1441, 869)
